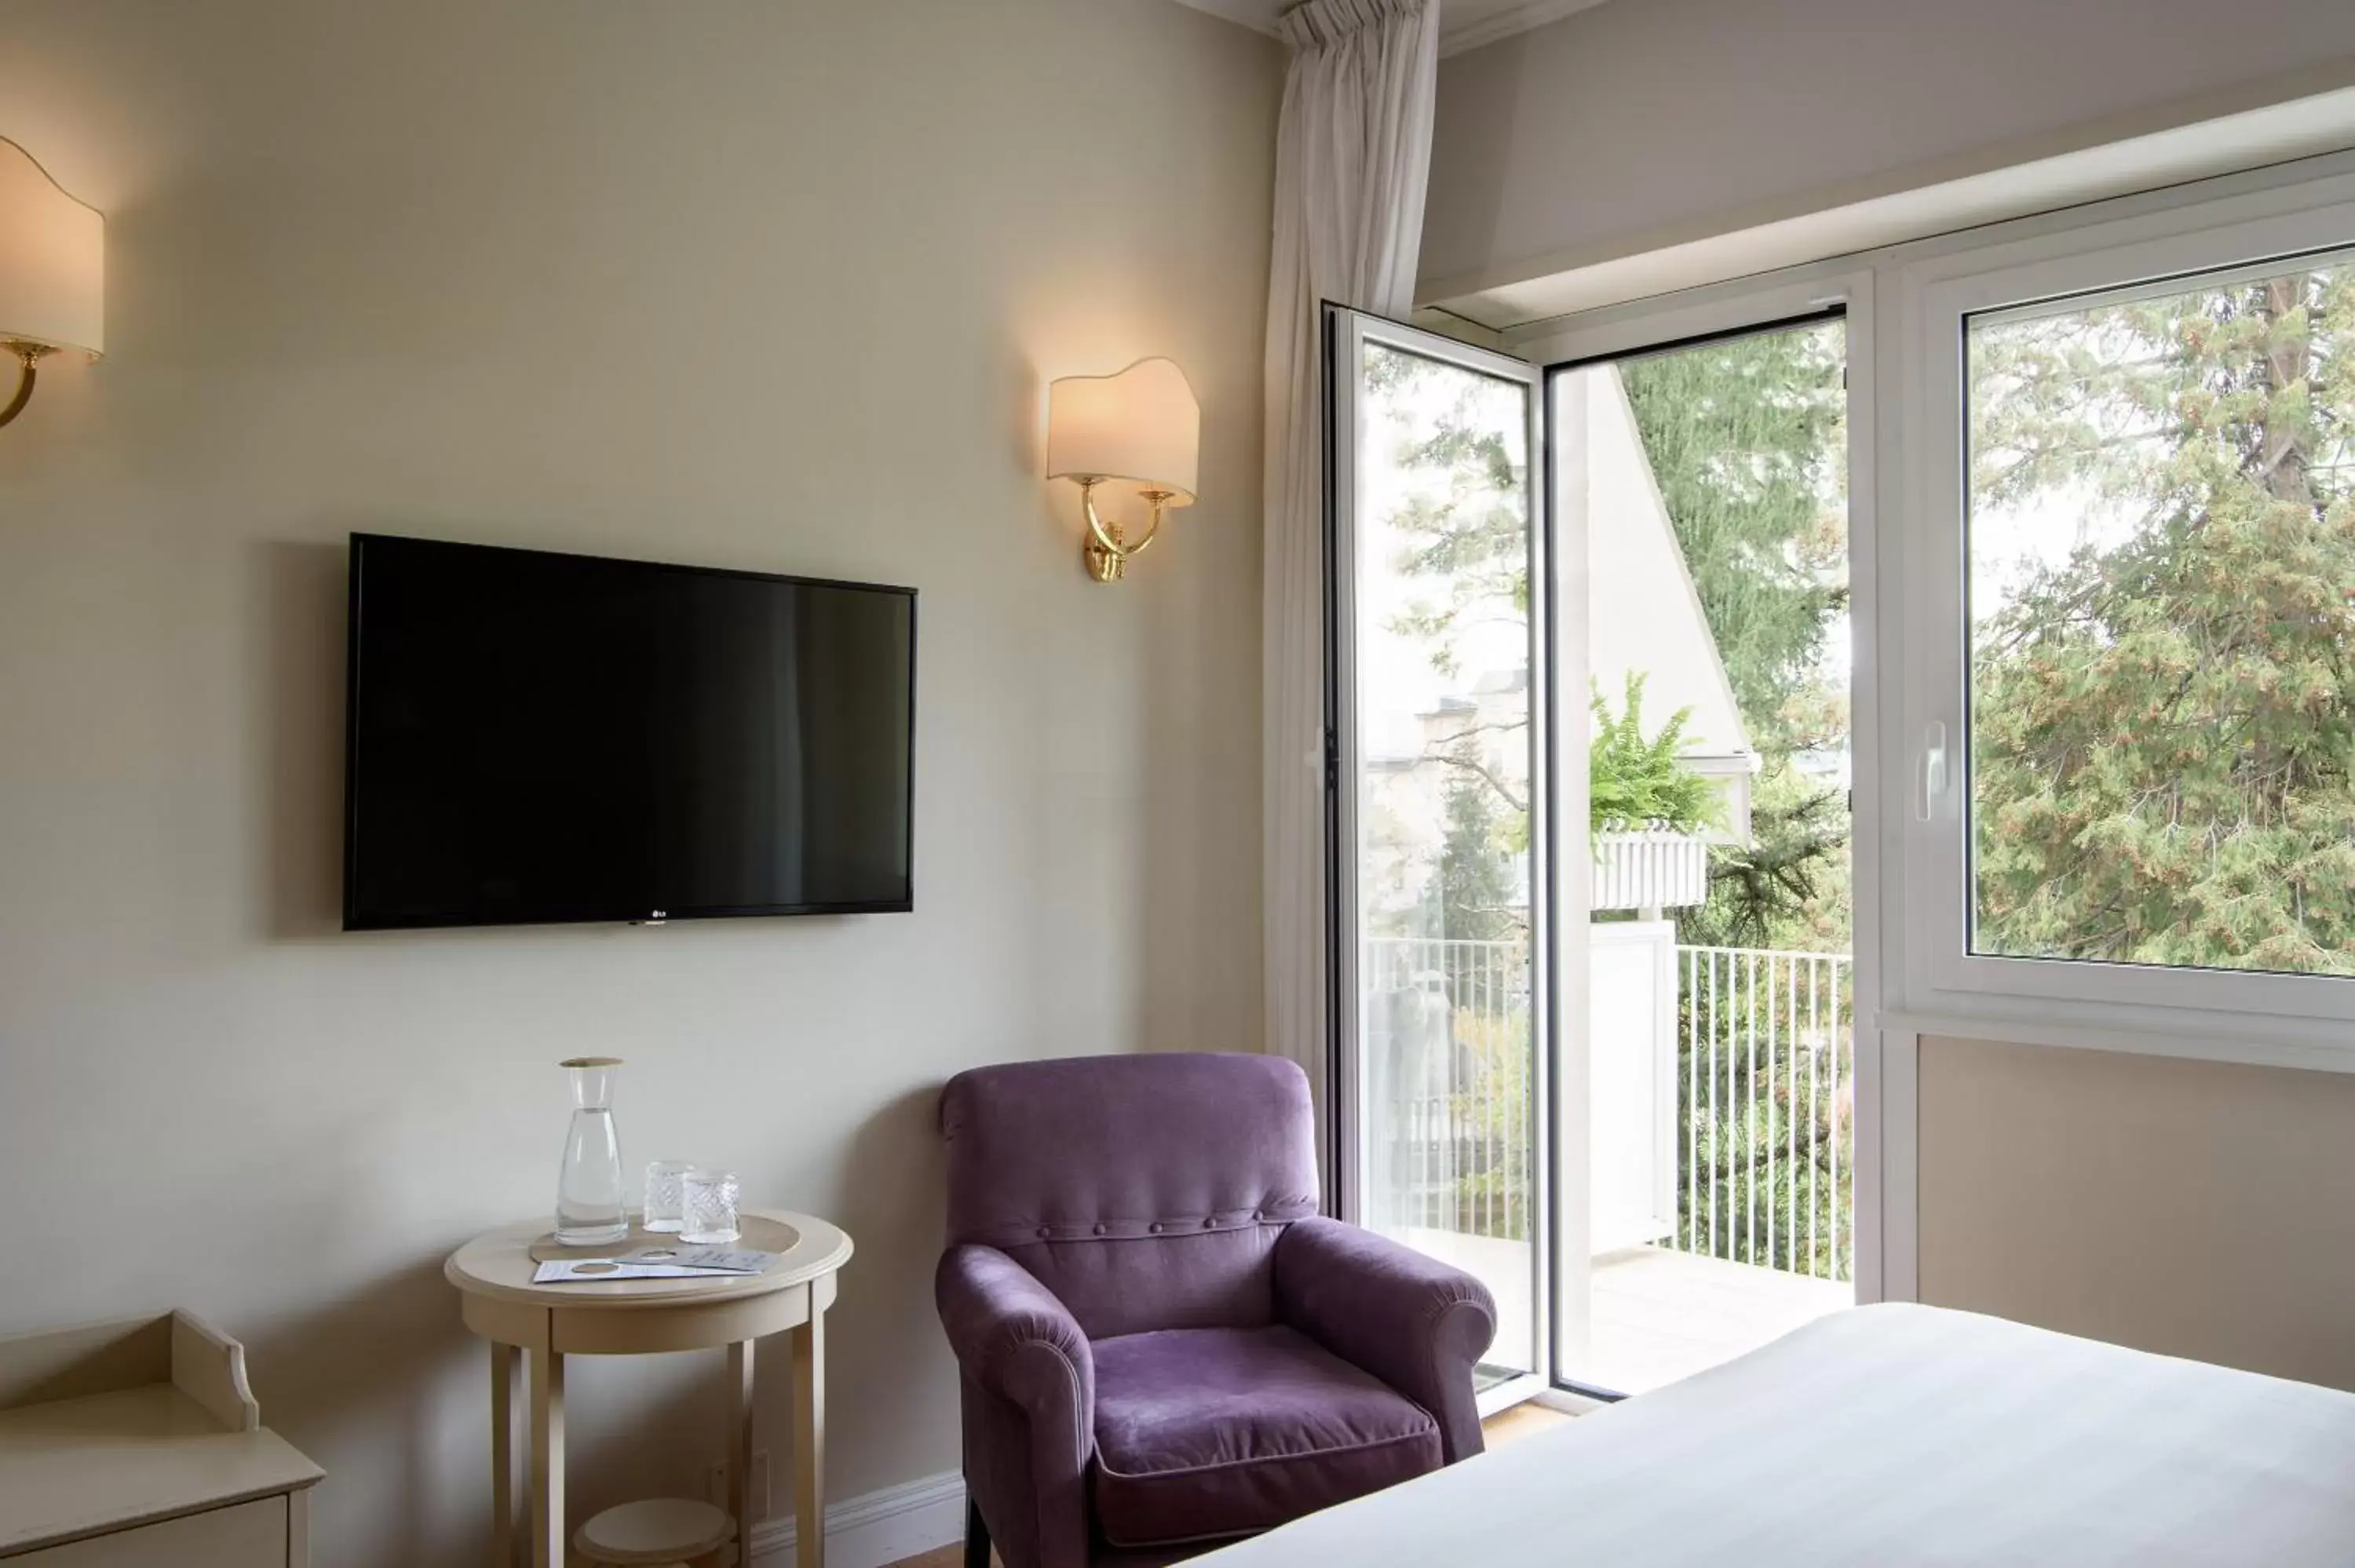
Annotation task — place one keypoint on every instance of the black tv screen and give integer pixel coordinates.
(540, 738)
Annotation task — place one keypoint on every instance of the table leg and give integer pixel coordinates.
(502, 1486)
(546, 1522)
(739, 1445)
(809, 1439)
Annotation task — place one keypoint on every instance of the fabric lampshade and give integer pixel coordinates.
(1142, 425)
(52, 259)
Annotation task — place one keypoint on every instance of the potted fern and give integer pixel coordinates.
(1646, 810)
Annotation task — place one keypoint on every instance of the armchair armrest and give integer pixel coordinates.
(1030, 1396)
(1013, 1337)
(1412, 1321)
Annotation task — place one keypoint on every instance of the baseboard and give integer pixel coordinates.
(879, 1528)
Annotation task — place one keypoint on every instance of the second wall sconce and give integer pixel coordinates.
(52, 271)
(1142, 425)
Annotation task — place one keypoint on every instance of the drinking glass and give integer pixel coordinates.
(710, 1206)
(666, 1194)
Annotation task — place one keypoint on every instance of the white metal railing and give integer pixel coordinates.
(1447, 1084)
(1649, 868)
(1765, 1110)
(1766, 1106)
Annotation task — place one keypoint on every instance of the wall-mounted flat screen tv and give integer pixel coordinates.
(535, 737)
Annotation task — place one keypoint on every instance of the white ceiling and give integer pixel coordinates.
(1463, 24)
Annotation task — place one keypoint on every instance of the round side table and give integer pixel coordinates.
(635, 1317)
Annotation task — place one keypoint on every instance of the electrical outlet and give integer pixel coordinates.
(756, 1491)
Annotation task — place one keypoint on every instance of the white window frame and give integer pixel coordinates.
(1938, 985)
(1900, 559)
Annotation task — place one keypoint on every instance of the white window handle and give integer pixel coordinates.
(1934, 771)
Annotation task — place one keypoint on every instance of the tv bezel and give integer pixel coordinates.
(352, 676)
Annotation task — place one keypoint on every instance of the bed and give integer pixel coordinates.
(1889, 1434)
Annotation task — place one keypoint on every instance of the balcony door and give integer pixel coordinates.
(1439, 814)
(1595, 1003)
(1707, 481)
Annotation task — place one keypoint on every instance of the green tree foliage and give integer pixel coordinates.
(1464, 533)
(1471, 541)
(1747, 439)
(2163, 722)
(1788, 886)
(1747, 442)
(1633, 780)
(1479, 897)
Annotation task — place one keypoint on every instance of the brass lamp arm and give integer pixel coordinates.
(1108, 535)
(28, 358)
(1106, 551)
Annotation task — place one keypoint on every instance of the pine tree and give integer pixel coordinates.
(1747, 439)
(2163, 724)
(1747, 442)
(1477, 892)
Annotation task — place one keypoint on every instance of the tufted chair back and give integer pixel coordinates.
(1145, 1192)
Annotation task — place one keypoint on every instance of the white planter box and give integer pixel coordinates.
(1650, 868)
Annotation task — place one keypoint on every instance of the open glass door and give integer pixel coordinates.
(1438, 812)
(1704, 1198)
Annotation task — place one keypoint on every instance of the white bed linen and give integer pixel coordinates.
(1889, 1435)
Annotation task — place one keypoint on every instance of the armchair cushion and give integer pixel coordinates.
(1212, 1431)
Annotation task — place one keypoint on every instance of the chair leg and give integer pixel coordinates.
(977, 1537)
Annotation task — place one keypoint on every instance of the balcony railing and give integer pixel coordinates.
(1449, 1077)
(1764, 1097)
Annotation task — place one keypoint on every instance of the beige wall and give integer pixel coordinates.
(739, 282)
(1648, 115)
(2193, 1208)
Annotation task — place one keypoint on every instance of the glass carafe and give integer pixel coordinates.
(589, 1188)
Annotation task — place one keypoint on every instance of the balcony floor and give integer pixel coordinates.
(1655, 1315)
(1659, 1316)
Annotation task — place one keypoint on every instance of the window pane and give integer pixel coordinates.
(1442, 863)
(2161, 542)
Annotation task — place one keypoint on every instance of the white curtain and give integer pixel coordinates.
(1353, 156)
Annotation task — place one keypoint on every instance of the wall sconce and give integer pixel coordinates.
(52, 271)
(1142, 425)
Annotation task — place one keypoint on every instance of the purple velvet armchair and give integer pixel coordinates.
(1160, 1341)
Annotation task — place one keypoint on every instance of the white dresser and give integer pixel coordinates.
(137, 1444)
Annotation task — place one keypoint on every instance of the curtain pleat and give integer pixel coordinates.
(1353, 159)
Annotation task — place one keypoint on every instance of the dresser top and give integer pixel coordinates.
(74, 1468)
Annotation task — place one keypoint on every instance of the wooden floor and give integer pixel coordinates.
(1509, 1426)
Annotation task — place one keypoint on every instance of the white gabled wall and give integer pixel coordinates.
(1643, 614)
